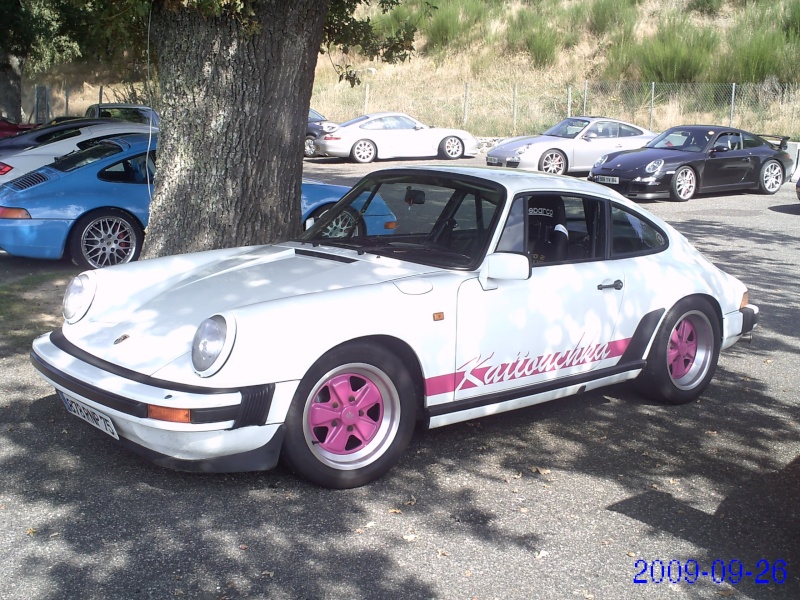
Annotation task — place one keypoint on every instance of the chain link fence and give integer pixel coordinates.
(492, 108)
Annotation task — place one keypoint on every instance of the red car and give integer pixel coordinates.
(8, 128)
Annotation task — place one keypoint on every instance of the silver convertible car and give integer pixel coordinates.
(573, 145)
(493, 290)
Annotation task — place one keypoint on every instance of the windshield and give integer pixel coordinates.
(683, 139)
(443, 221)
(568, 128)
(79, 159)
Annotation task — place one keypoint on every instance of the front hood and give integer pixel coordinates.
(161, 328)
(514, 144)
(636, 160)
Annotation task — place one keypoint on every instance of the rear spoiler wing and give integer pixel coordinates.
(781, 141)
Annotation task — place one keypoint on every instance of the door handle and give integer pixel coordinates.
(617, 285)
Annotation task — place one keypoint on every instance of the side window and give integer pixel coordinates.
(628, 131)
(553, 228)
(377, 124)
(631, 235)
(751, 141)
(136, 169)
(730, 140)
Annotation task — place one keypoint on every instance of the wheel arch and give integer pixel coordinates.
(407, 356)
(708, 297)
(65, 250)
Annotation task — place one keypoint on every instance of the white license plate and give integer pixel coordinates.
(88, 414)
(605, 179)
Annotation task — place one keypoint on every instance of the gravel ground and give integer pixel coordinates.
(569, 499)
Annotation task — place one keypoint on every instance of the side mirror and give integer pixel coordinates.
(590, 136)
(504, 266)
(720, 148)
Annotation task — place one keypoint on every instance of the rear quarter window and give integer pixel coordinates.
(631, 235)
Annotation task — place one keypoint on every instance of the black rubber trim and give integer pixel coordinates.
(62, 343)
(325, 255)
(539, 388)
(261, 459)
(253, 409)
(645, 331)
(749, 319)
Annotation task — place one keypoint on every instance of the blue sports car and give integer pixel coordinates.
(93, 205)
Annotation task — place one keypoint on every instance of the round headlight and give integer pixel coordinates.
(524, 149)
(601, 160)
(78, 297)
(212, 344)
(654, 166)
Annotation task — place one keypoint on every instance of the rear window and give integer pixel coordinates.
(79, 159)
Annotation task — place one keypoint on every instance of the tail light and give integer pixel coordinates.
(5, 169)
(331, 137)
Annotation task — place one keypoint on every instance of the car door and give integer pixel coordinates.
(559, 322)
(729, 163)
(602, 137)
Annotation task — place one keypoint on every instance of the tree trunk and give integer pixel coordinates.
(234, 109)
(11, 87)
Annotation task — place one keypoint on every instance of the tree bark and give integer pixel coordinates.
(234, 108)
(11, 87)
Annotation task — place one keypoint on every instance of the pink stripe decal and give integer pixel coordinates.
(480, 371)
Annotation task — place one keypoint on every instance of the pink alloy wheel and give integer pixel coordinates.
(346, 414)
(682, 349)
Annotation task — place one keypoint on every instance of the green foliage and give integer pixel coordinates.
(705, 7)
(680, 52)
(791, 19)
(606, 16)
(530, 31)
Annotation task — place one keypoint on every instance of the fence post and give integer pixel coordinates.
(366, 98)
(733, 99)
(66, 100)
(466, 103)
(514, 109)
(100, 97)
(652, 102)
(569, 100)
(585, 93)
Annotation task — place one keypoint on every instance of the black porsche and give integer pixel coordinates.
(691, 159)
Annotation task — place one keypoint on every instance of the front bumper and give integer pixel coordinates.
(638, 190)
(227, 430)
(739, 324)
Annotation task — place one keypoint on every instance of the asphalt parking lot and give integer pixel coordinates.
(571, 499)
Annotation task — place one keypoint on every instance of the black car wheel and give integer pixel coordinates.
(105, 237)
(351, 417)
(309, 149)
(771, 178)
(684, 184)
(684, 354)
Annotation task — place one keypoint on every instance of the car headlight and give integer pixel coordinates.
(524, 149)
(212, 344)
(601, 160)
(78, 297)
(654, 165)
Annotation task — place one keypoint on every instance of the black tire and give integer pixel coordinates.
(309, 150)
(105, 237)
(347, 224)
(684, 355)
(553, 161)
(770, 179)
(451, 148)
(364, 151)
(684, 184)
(351, 418)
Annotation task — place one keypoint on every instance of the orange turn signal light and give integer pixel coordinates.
(175, 415)
(14, 213)
(390, 225)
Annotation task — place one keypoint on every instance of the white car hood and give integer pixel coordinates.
(161, 328)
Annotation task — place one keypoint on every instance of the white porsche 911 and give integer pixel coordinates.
(492, 290)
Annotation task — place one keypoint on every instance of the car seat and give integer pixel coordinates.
(548, 239)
